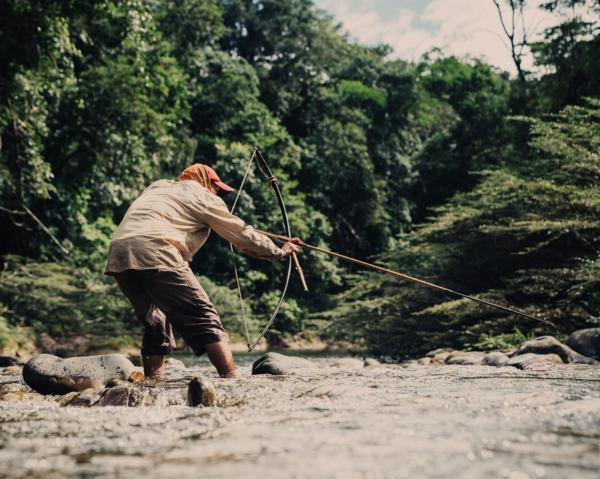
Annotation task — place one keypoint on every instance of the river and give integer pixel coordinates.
(388, 421)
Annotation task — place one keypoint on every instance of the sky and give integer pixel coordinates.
(413, 27)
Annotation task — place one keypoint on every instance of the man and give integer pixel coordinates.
(149, 254)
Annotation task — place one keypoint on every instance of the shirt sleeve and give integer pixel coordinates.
(233, 229)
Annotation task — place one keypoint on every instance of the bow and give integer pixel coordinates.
(274, 186)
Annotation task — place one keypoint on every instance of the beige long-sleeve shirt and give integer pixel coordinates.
(171, 221)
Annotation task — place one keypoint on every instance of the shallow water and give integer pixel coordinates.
(383, 422)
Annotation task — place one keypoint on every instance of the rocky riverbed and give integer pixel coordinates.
(332, 417)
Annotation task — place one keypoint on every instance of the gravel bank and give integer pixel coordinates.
(382, 421)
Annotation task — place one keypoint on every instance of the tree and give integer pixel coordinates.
(517, 36)
(527, 235)
(569, 54)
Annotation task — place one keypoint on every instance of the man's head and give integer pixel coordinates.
(206, 176)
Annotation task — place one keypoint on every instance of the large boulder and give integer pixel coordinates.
(551, 345)
(49, 374)
(279, 364)
(586, 342)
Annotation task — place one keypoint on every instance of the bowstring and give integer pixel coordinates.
(233, 256)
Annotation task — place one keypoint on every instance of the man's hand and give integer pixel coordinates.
(291, 247)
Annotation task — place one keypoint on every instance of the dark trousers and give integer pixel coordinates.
(162, 299)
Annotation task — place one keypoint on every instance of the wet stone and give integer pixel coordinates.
(495, 358)
(49, 374)
(469, 358)
(586, 342)
(551, 345)
(279, 364)
(202, 392)
(534, 362)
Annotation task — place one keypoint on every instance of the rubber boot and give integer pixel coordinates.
(154, 366)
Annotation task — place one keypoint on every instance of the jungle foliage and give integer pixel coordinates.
(423, 166)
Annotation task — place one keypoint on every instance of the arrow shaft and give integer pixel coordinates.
(406, 277)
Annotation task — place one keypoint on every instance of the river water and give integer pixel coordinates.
(391, 421)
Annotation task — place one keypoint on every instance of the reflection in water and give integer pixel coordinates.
(377, 422)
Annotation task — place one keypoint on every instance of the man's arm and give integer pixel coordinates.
(244, 237)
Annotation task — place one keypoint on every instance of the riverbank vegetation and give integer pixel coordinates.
(447, 168)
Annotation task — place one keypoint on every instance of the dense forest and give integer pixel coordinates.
(447, 169)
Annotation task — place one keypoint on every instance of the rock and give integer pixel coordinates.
(12, 370)
(424, 361)
(136, 359)
(49, 374)
(176, 364)
(85, 398)
(21, 396)
(495, 358)
(17, 392)
(437, 351)
(201, 392)
(531, 361)
(9, 361)
(551, 345)
(348, 363)
(65, 399)
(279, 364)
(113, 383)
(372, 363)
(125, 395)
(586, 342)
(440, 358)
(469, 358)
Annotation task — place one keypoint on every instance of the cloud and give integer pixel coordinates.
(412, 27)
